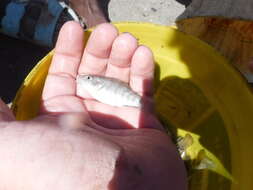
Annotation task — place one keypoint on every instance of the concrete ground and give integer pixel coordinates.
(162, 12)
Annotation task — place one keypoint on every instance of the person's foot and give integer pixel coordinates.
(90, 11)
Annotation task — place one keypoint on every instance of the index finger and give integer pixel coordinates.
(67, 56)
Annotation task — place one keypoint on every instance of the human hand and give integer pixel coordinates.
(79, 143)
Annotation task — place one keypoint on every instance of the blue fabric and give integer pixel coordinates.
(11, 21)
(44, 33)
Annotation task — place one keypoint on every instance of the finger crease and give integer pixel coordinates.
(68, 56)
(62, 74)
(96, 55)
(146, 75)
(123, 66)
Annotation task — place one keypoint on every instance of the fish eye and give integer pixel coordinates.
(88, 77)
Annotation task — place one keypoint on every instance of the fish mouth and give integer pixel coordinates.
(77, 78)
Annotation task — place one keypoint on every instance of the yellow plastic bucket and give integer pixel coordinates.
(196, 91)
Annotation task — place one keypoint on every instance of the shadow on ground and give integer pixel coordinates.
(184, 2)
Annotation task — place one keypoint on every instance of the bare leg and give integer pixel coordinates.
(90, 11)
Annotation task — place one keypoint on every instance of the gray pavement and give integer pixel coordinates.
(162, 12)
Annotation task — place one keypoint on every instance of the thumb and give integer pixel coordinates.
(5, 112)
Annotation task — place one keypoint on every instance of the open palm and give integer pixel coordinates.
(107, 53)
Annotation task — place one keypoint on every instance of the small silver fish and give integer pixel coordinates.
(183, 144)
(203, 162)
(108, 90)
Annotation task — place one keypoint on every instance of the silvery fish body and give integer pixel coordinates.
(108, 90)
